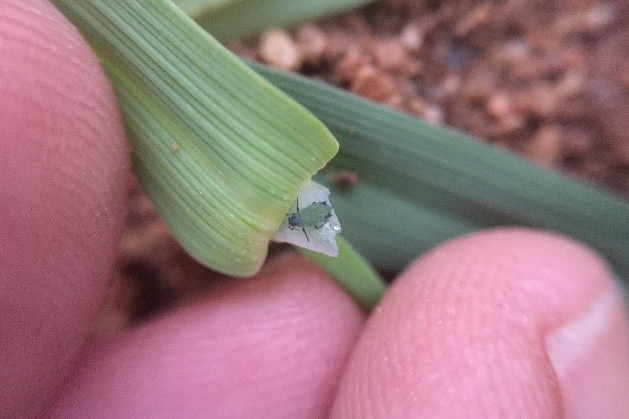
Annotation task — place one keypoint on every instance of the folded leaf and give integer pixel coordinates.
(220, 151)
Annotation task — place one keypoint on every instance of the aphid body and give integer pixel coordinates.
(314, 215)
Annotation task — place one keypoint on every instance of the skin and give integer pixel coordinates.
(499, 324)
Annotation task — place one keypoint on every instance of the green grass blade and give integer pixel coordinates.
(242, 18)
(220, 151)
(352, 272)
(194, 8)
(389, 230)
(449, 174)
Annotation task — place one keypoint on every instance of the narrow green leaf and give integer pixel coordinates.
(220, 151)
(195, 8)
(242, 18)
(437, 173)
(352, 272)
(389, 230)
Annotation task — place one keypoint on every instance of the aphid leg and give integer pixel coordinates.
(293, 213)
(305, 234)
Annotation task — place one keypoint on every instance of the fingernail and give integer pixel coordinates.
(590, 355)
(575, 340)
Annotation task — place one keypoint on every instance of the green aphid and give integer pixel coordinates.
(314, 215)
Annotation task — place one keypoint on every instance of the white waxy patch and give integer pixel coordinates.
(321, 239)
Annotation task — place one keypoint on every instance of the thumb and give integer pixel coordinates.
(63, 170)
(501, 324)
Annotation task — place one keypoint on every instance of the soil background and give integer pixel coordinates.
(548, 79)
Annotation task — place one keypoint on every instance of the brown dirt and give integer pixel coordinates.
(548, 80)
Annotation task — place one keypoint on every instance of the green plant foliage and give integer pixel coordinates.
(242, 18)
(421, 184)
(220, 151)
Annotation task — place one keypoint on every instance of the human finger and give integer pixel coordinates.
(272, 346)
(501, 324)
(63, 176)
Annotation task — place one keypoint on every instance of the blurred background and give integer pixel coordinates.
(548, 80)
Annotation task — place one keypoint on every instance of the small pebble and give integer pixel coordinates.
(599, 17)
(480, 83)
(312, 43)
(511, 52)
(591, 22)
(351, 63)
(540, 101)
(390, 55)
(412, 38)
(417, 106)
(476, 18)
(570, 85)
(395, 101)
(499, 106)
(451, 84)
(509, 126)
(338, 43)
(433, 114)
(278, 49)
(545, 148)
(578, 142)
(372, 84)
(413, 68)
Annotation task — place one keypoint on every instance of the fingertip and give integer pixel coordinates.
(463, 332)
(272, 346)
(64, 172)
(555, 276)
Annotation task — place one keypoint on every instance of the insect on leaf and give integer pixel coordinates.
(314, 230)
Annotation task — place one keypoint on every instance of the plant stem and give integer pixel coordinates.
(352, 272)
